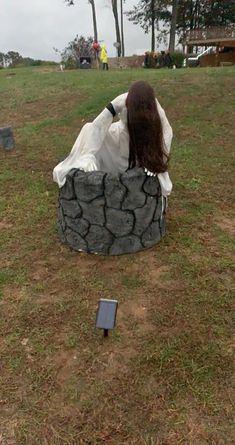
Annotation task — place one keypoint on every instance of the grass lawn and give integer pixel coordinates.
(164, 377)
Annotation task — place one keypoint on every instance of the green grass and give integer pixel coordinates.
(164, 377)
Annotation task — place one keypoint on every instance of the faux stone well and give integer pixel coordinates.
(111, 215)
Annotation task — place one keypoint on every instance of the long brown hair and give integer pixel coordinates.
(145, 129)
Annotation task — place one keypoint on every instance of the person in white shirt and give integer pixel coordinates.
(141, 137)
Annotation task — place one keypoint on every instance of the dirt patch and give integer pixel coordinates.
(158, 277)
(228, 225)
(66, 363)
(4, 224)
(134, 315)
(155, 275)
(138, 310)
(41, 271)
(46, 70)
(33, 111)
(7, 432)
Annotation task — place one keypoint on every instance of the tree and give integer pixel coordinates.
(92, 3)
(190, 16)
(173, 25)
(117, 28)
(219, 13)
(184, 16)
(2, 59)
(193, 14)
(122, 30)
(147, 14)
(12, 58)
(79, 47)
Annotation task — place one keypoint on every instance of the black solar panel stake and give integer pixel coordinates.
(106, 315)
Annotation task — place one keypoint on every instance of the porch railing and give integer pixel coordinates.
(215, 34)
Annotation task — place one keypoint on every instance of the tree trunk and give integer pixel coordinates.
(152, 25)
(122, 30)
(92, 2)
(173, 25)
(118, 37)
(191, 15)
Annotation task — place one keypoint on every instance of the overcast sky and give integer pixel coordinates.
(34, 27)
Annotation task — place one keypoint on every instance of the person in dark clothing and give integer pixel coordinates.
(168, 59)
(147, 60)
(161, 59)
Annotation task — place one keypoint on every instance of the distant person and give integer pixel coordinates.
(155, 58)
(161, 59)
(158, 55)
(147, 59)
(168, 59)
(141, 137)
(104, 57)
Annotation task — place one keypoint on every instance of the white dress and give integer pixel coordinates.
(104, 145)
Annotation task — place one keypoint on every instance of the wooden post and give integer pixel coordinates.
(186, 53)
(217, 55)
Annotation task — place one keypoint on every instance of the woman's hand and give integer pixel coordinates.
(87, 163)
(148, 173)
(119, 102)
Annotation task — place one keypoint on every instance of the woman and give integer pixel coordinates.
(142, 137)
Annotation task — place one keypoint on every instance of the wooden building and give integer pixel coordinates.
(222, 38)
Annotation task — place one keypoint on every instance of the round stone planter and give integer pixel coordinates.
(111, 215)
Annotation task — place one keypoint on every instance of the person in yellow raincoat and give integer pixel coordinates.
(104, 57)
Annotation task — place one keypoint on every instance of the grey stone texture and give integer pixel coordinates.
(119, 222)
(71, 208)
(133, 180)
(152, 232)
(151, 186)
(127, 244)
(88, 186)
(94, 211)
(6, 138)
(114, 191)
(144, 216)
(78, 225)
(111, 214)
(74, 240)
(99, 240)
(68, 192)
